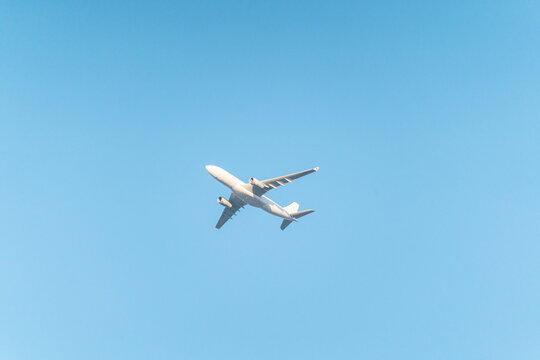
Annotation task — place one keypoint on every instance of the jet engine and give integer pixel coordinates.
(224, 202)
(257, 183)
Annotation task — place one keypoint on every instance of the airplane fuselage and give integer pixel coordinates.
(245, 193)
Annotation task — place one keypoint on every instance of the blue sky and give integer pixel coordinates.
(424, 119)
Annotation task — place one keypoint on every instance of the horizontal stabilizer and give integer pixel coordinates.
(299, 214)
(285, 223)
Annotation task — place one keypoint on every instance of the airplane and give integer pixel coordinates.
(252, 194)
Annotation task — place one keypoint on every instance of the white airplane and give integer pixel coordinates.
(252, 194)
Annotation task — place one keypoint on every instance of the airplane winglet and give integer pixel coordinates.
(316, 169)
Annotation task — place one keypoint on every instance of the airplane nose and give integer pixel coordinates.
(211, 169)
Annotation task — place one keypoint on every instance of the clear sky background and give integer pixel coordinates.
(423, 116)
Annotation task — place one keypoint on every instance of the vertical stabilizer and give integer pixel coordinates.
(292, 208)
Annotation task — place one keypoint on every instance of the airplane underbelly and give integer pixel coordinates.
(250, 199)
(254, 200)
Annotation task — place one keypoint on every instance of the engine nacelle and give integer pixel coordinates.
(257, 183)
(224, 202)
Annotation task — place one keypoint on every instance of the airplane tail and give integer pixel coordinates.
(295, 214)
(292, 207)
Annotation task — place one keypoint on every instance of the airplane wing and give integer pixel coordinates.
(227, 213)
(282, 180)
